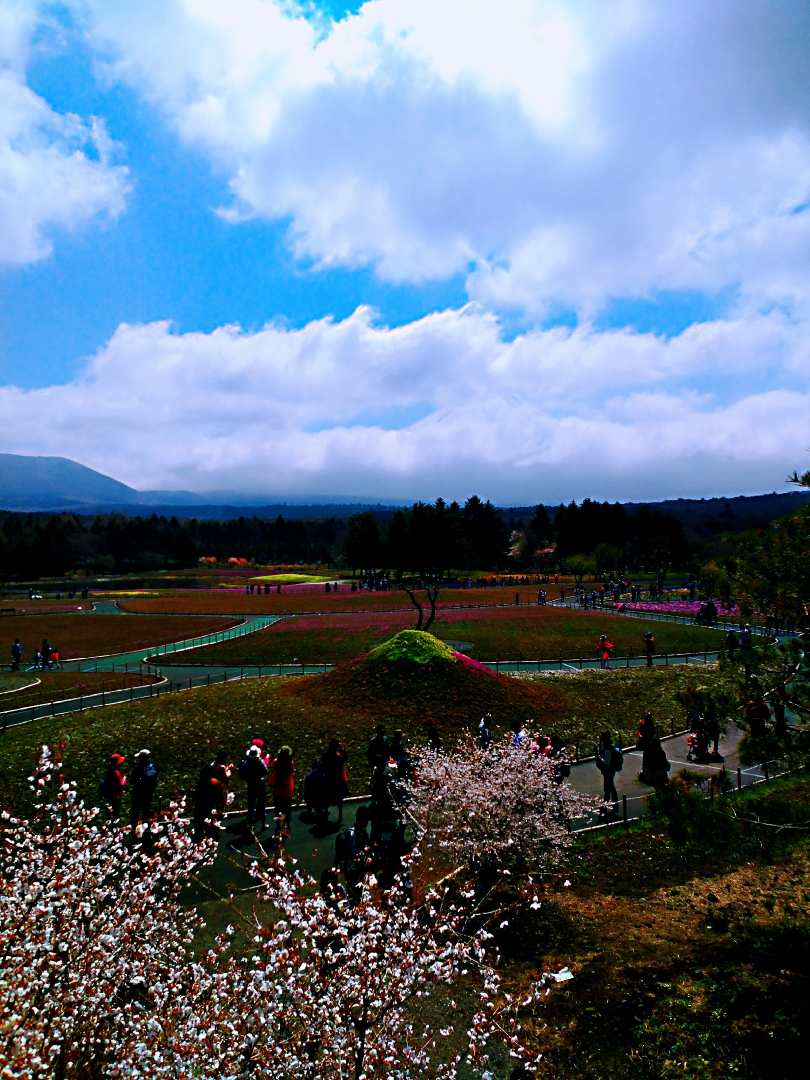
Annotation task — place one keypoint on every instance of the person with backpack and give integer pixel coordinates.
(254, 772)
(353, 852)
(144, 784)
(609, 760)
(282, 783)
(112, 786)
(16, 655)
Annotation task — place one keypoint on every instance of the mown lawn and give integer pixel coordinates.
(100, 635)
(529, 633)
(184, 730)
(54, 685)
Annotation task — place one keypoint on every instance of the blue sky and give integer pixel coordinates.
(407, 249)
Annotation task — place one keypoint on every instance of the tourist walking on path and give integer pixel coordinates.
(335, 778)
(646, 731)
(605, 649)
(211, 796)
(254, 772)
(112, 786)
(655, 764)
(144, 784)
(609, 760)
(282, 783)
(16, 655)
(649, 647)
(732, 644)
(378, 746)
(745, 637)
(353, 852)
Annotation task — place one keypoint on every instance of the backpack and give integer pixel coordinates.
(344, 848)
(149, 776)
(616, 759)
(244, 769)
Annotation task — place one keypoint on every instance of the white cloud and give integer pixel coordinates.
(54, 169)
(548, 415)
(568, 152)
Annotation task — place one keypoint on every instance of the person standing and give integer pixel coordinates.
(609, 760)
(113, 784)
(254, 772)
(282, 783)
(485, 731)
(16, 655)
(144, 784)
(649, 647)
(378, 745)
(732, 644)
(605, 649)
(335, 778)
(353, 852)
(745, 637)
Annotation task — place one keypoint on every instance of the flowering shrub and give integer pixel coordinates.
(90, 930)
(496, 807)
(98, 978)
(682, 607)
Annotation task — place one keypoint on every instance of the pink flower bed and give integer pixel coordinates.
(682, 607)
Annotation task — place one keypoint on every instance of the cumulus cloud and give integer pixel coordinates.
(547, 415)
(55, 169)
(562, 153)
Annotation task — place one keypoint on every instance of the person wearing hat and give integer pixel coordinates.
(113, 786)
(144, 784)
(649, 647)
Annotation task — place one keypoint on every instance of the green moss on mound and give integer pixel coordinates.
(415, 646)
(414, 680)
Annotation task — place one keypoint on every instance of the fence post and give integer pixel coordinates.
(131, 695)
(765, 770)
(224, 676)
(739, 779)
(624, 809)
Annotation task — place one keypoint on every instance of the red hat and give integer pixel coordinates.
(257, 742)
(117, 759)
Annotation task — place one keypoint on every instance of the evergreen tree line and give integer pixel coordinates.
(42, 545)
(427, 539)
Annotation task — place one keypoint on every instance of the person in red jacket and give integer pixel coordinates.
(282, 782)
(113, 786)
(605, 649)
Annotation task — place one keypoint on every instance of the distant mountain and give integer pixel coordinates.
(57, 483)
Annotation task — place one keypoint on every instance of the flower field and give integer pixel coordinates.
(312, 598)
(530, 633)
(100, 635)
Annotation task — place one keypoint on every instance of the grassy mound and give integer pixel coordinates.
(414, 680)
(414, 646)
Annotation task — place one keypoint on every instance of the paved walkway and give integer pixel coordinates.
(314, 847)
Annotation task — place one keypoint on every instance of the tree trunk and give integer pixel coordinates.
(418, 607)
(432, 597)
